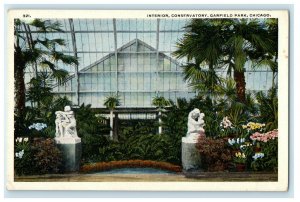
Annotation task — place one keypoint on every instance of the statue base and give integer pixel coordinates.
(71, 153)
(190, 156)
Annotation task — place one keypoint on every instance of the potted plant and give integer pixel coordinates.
(240, 161)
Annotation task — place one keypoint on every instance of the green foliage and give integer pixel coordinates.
(112, 101)
(91, 129)
(129, 128)
(44, 106)
(160, 102)
(41, 156)
(211, 44)
(268, 108)
(22, 163)
(144, 147)
(88, 122)
(90, 147)
(37, 51)
(270, 160)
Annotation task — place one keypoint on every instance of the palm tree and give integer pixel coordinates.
(38, 51)
(202, 46)
(111, 103)
(270, 58)
(161, 103)
(229, 43)
(248, 41)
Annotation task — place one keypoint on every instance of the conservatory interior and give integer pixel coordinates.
(134, 89)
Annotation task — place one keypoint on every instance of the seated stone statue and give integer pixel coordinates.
(195, 124)
(65, 123)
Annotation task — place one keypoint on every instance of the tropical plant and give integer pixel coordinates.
(248, 41)
(211, 44)
(91, 132)
(161, 103)
(202, 46)
(111, 103)
(40, 52)
(268, 108)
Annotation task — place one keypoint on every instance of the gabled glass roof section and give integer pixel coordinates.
(96, 38)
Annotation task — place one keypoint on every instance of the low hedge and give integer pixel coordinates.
(103, 166)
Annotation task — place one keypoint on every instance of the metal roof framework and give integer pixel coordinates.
(84, 35)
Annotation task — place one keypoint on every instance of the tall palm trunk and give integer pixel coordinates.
(19, 67)
(239, 78)
(111, 124)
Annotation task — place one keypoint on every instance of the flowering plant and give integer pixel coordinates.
(226, 123)
(254, 126)
(236, 142)
(264, 137)
(258, 156)
(19, 154)
(38, 126)
(240, 158)
(21, 144)
(227, 128)
(266, 156)
(22, 155)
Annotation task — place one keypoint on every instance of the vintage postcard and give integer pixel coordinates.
(158, 100)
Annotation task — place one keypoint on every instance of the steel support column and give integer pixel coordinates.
(116, 51)
(76, 66)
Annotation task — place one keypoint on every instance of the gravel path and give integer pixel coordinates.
(196, 176)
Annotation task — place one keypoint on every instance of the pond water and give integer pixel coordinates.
(135, 171)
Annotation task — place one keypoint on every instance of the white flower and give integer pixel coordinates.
(20, 139)
(20, 154)
(231, 141)
(238, 141)
(38, 126)
(258, 155)
(243, 146)
(26, 139)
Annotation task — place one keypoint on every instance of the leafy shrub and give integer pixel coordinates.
(46, 156)
(129, 128)
(88, 122)
(144, 147)
(91, 145)
(268, 108)
(40, 156)
(91, 130)
(215, 155)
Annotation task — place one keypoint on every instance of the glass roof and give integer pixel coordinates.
(95, 38)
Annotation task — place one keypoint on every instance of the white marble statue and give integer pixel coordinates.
(65, 124)
(195, 125)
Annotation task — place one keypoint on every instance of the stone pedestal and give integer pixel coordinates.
(190, 156)
(71, 152)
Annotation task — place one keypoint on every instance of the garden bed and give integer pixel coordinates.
(104, 166)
